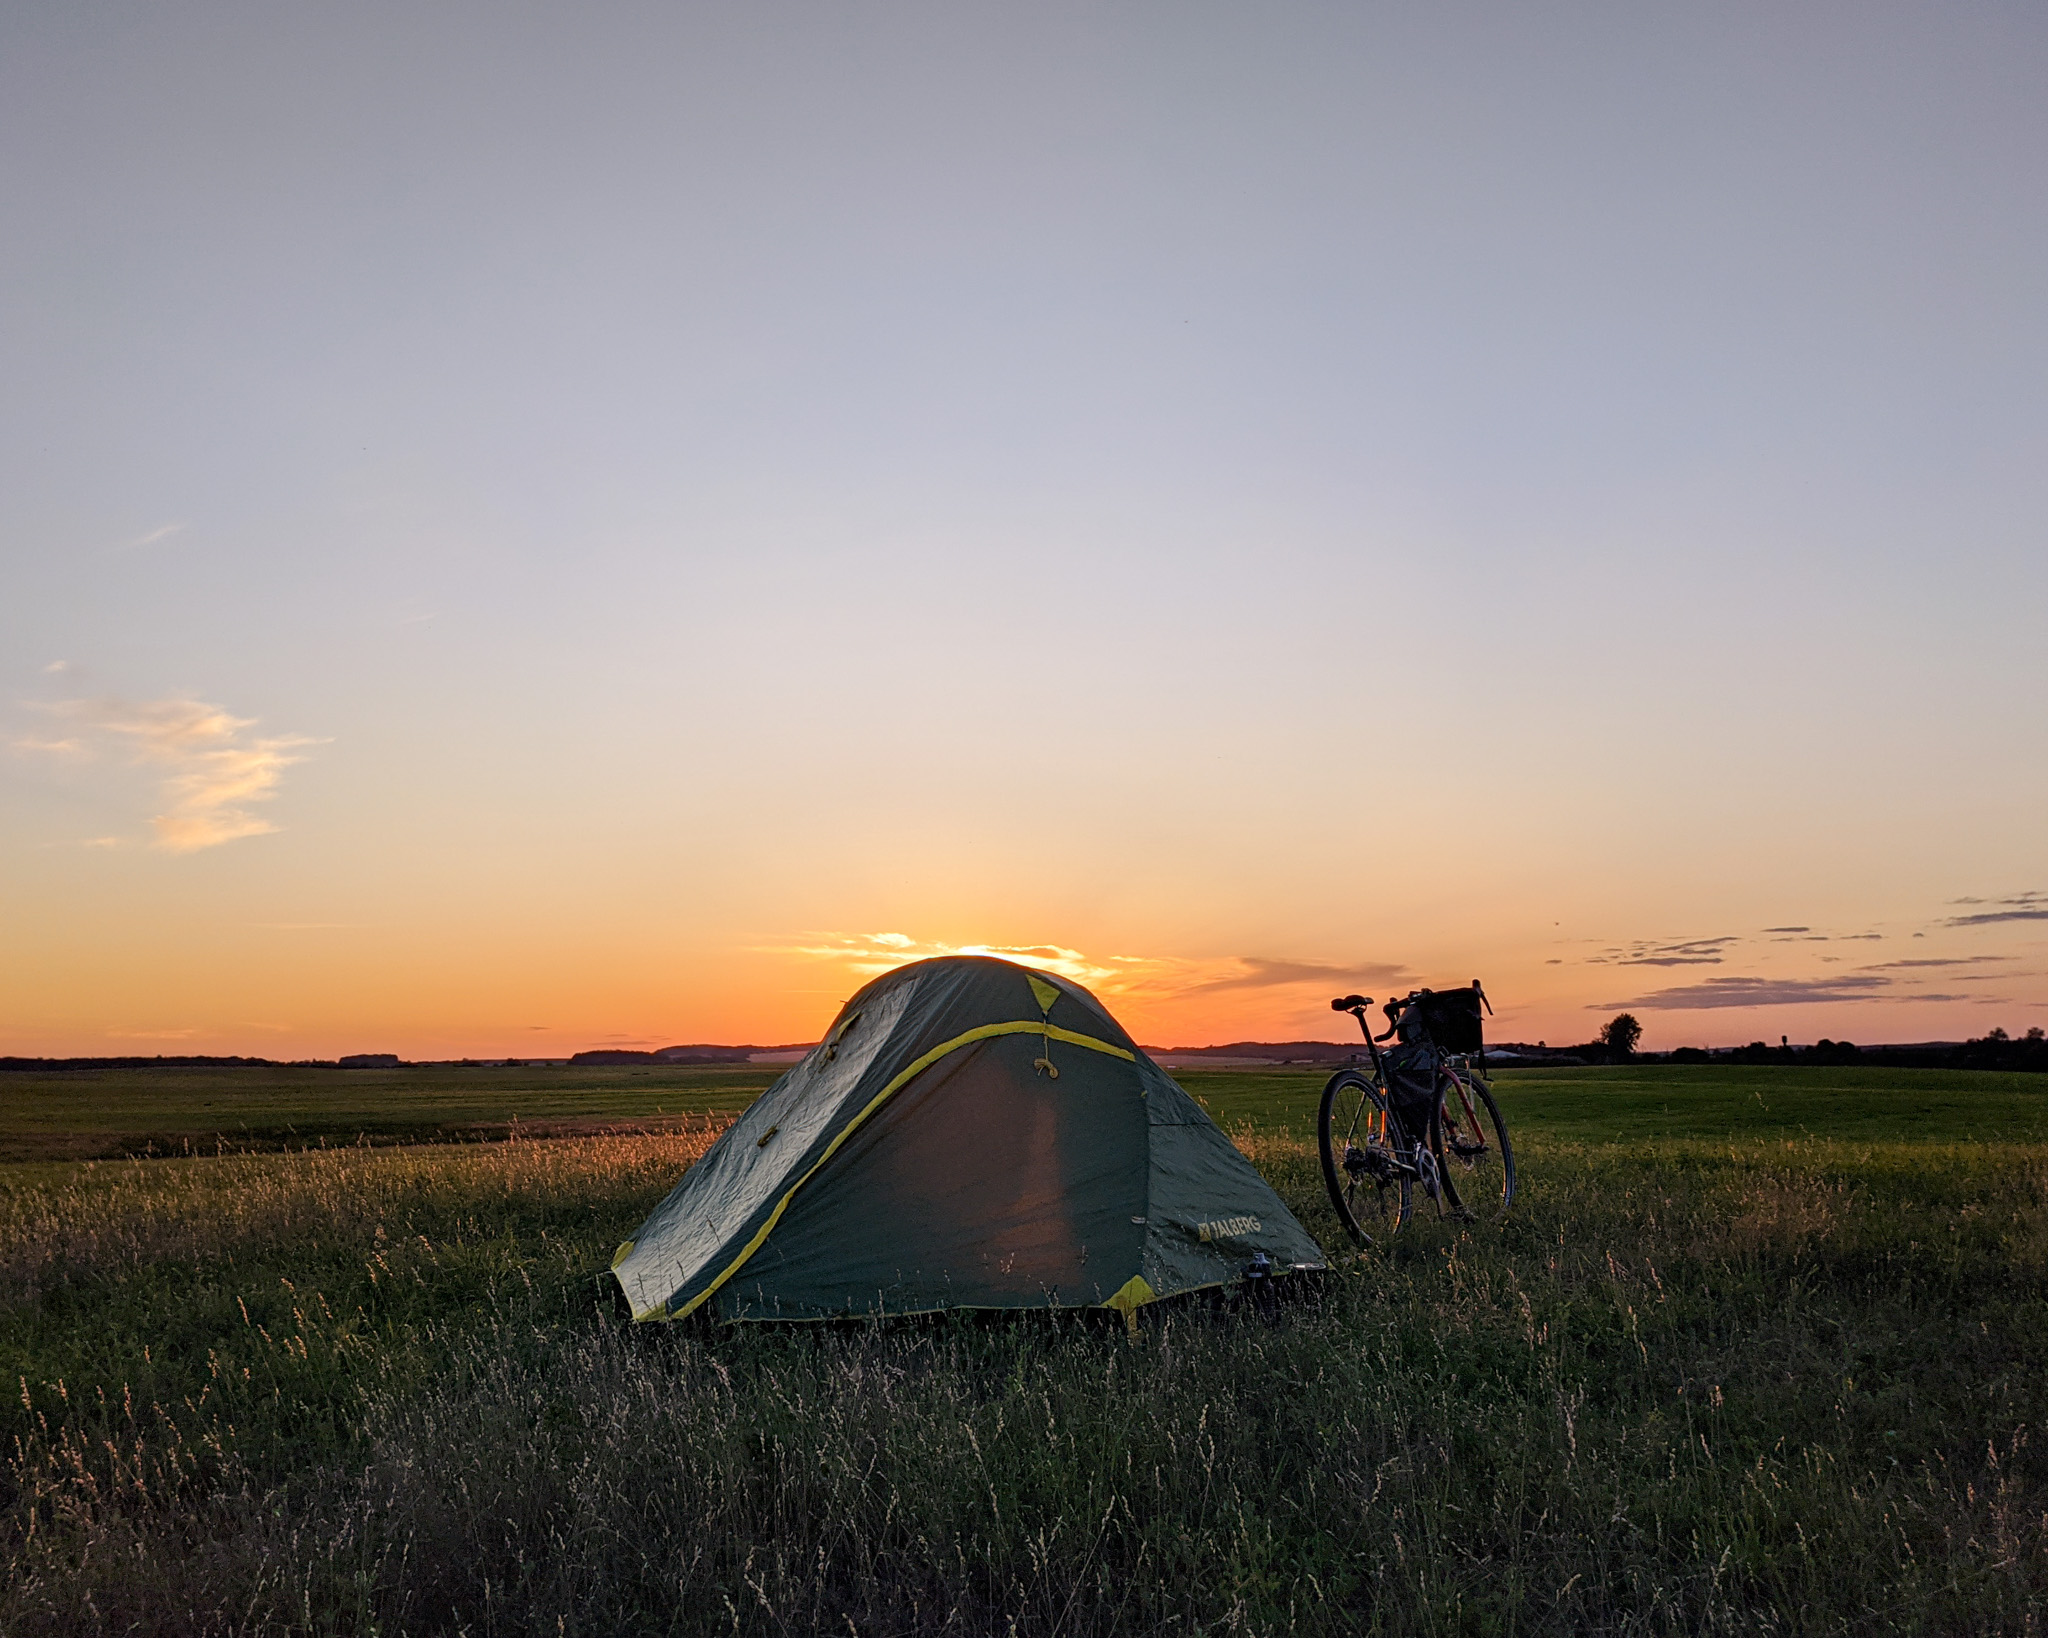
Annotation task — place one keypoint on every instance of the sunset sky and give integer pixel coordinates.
(524, 529)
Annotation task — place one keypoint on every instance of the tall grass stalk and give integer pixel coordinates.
(1696, 1387)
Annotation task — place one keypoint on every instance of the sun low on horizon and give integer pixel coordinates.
(549, 536)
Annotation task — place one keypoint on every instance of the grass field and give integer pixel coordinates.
(1758, 1351)
(1627, 1105)
(102, 1114)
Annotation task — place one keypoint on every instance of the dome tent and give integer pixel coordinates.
(969, 1134)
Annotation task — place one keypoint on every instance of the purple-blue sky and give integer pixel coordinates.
(522, 527)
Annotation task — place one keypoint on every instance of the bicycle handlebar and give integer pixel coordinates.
(1356, 1005)
(1394, 1008)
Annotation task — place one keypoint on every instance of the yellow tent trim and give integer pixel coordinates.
(625, 1250)
(1045, 992)
(1130, 1297)
(981, 1033)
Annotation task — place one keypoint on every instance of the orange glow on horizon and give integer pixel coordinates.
(480, 1002)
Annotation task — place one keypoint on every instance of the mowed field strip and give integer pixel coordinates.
(1757, 1350)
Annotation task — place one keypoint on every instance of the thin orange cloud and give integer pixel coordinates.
(1148, 977)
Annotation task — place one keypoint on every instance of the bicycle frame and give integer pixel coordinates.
(1460, 1072)
(1464, 1122)
(1408, 1150)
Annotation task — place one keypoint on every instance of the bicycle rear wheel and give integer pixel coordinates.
(1474, 1154)
(1368, 1178)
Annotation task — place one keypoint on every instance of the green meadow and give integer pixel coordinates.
(107, 1113)
(1654, 1101)
(1757, 1351)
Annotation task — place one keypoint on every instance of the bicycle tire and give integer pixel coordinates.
(1485, 1160)
(1360, 1163)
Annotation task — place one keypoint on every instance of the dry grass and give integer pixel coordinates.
(1784, 1387)
(60, 1226)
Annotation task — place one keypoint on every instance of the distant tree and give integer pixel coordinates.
(1620, 1034)
(2035, 1034)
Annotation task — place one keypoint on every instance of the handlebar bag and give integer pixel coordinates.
(1448, 1019)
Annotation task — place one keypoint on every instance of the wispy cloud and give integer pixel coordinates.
(1806, 935)
(1691, 952)
(2019, 907)
(212, 770)
(1267, 972)
(1124, 975)
(1938, 961)
(872, 953)
(1756, 992)
(162, 532)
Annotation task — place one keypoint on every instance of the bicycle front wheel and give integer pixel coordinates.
(1474, 1155)
(1368, 1178)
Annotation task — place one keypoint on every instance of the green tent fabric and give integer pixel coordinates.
(969, 1134)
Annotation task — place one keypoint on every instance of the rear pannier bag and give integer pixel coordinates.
(1412, 1069)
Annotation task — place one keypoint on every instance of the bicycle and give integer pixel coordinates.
(1423, 1114)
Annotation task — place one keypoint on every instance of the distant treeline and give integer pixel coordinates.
(1284, 1052)
(1996, 1050)
(161, 1062)
(682, 1054)
(386, 1060)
